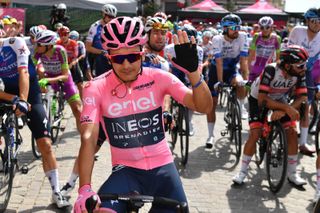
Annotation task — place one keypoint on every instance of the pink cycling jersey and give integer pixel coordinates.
(132, 116)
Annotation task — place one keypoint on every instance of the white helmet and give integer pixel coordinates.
(34, 30)
(74, 35)
(46, 37)
(62, 6)
(110, 10)
(156, 23)
(266, 21)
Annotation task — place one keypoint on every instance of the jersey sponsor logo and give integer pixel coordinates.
(85, 119)
(12, 40)
(89, 101)
(282, 84)
(135, 130)
(140, 104)
(22, 50)
(142, 86)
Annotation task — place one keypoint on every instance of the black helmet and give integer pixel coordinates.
(293, 54)
(231, 20)
(190, 30)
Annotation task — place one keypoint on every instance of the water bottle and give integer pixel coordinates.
(54, 105)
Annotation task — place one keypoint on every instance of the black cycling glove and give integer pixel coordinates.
(186, 58)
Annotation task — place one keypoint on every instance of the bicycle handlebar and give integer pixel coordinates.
(138, 199)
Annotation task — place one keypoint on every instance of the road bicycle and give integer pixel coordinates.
(11, 143)
(137, 201)
(273, 146)
(232, 117)
(180, 117)
(53, 103)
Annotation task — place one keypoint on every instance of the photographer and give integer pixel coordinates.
(58, 15)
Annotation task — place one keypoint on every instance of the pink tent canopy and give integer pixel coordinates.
(261, 7)
(207, 6)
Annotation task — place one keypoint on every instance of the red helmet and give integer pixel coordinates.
(293, 54)
(63, 31)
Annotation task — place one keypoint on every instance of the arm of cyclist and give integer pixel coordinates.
(244, 67)
(89, 136)
(92, 49)
(276, 105)
(199, 98)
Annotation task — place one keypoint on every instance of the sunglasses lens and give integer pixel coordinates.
(119, 59)
(301, 66)
(265, 28)
(234, 28)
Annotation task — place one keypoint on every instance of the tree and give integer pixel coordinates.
(150, 9)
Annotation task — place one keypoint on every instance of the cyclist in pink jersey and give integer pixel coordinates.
(128, 100)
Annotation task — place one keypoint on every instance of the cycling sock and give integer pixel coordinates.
(241, 101)
(53, 177)
(210, 129)
(73, 179)
(318, 179)
(292, 164)
(303, 135)
(245, 163)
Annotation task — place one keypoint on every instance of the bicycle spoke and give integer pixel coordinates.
(276, 163)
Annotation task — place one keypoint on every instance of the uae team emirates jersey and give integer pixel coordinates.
(132, 116)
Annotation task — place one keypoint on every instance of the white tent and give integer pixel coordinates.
(123, 6)
(299, 6)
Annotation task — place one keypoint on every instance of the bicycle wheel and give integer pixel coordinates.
(35, 150)
(317, 134)
(57, 114)
(235, 128)
(184, 133)
(277, 157)
(261, 147)
(174, 110)
(6, 175)
(315, 112)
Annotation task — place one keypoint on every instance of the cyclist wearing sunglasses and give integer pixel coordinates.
(128, 100)
(229, 49)
(263, 47)
(22, 89)
(271, 90)
(98, 63)
(52, 67)
(308, 37)
(156, 29)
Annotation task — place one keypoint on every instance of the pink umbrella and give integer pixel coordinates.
(261, 7)
(207, 6)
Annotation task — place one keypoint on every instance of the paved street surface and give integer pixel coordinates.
(206, 178)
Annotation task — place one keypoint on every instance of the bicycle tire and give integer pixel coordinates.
(235, 128)
(7, 173)
(174, 110)
(260, 151)
(35, 151)
(56, 122)
(184, 134)
(315, 118)
(317, 135)
(276, 156)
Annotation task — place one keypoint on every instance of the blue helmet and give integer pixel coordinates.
(312, 13)
(230, 20)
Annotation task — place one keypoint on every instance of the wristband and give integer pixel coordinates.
(199, 82)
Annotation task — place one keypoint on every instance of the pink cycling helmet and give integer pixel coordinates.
(121, 32)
